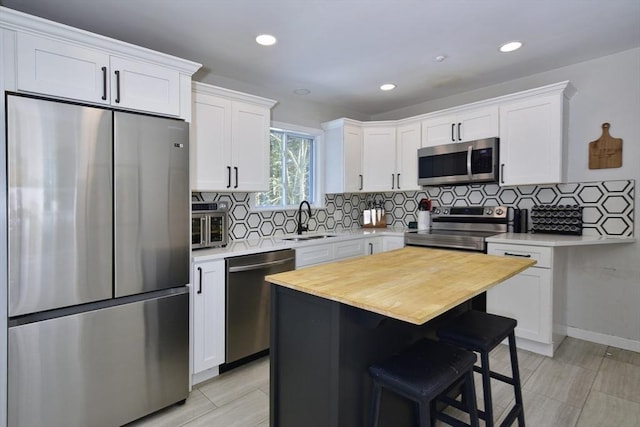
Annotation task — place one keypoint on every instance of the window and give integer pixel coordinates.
(291, 165)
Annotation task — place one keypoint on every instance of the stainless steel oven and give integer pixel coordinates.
(461, 227)
(209, 225)
(459, 163)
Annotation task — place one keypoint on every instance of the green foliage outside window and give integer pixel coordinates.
(290, 170)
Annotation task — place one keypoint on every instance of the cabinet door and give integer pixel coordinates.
(526, 297)
(531, 141)
(390, 243)
(143, 86)
(250, 143)
(352, 146)
(208, 314)
(311, 255)
(378, 159)
(477, 124)
(62, 69)
(210, 143)
(348, 249)
(439, 130)
(407, 145)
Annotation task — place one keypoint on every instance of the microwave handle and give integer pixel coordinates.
(204, 230)
(469, 150)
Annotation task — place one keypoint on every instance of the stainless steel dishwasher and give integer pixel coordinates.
(247, 318)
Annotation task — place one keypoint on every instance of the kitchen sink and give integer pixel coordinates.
(303, 238)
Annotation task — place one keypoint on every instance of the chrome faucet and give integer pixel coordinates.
(301, 227)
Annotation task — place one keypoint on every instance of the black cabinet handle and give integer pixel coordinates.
(117, 86)
(236, 170)
(520, 255)
(453, 127)
(398, 181)
(104, 83)
(502, 173)
(459, 124)
(370, 248)
(200, 280)
(228, 176)
(393, 181)
(360, 181)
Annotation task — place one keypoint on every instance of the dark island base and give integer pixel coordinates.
(320, 352)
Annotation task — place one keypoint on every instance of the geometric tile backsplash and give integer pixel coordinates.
(608, 207)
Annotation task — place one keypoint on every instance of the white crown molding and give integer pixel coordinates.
(231, 94)
(18, 21)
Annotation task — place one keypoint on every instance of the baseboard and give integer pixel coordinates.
(203, 376)
(605, 339)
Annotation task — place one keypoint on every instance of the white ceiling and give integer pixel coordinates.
(342, 50)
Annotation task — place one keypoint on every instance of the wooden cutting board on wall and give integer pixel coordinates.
(605, 152)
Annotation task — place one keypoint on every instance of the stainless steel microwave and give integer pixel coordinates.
(209, 225)
(459, 163)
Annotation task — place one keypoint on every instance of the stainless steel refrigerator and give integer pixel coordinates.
(98, 226)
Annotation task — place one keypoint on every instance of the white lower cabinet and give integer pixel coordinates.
(390, 243)
(373, 245)
(208, 303)
(535, 298)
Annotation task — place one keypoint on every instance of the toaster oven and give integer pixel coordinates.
(209, 225)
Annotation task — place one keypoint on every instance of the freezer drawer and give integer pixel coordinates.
(100, 368)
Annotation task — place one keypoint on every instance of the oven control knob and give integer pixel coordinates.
(436, 211)
(488, 211)
(446, 211)
(499, 211)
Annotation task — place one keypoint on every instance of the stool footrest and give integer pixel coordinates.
(495, 375)
(450, 420)
(511, 416)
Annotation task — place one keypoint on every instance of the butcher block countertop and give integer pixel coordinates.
(411, 284)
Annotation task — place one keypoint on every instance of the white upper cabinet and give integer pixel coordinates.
(343, 156)
(62, 69)
(379, 154)
(533, 138)
(460, 126)
(143, 86)
(407, 145)
(70, 70)
(229, 140)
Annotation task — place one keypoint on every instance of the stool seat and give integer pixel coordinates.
(477, 331)
(425, 370)
(423, 373)
(482, 332)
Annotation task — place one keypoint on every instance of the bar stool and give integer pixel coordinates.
(482, 332)
(422, 374)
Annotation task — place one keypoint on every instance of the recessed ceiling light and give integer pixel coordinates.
(440, 58)
(387, 86)
(266, 40)
(510, 47)
(302, 91)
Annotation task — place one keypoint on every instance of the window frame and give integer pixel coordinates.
(318, 165)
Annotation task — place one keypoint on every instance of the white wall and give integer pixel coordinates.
(292, 109)
(603, 282)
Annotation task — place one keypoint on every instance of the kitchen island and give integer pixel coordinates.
(330, 322)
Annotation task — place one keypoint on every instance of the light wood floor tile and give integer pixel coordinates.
(237, 382)
(625, 356)
(581, 353)
(603, 410)
(176, 415)
(618, 379)
(247, 411)
(543, 411)
(562, 382)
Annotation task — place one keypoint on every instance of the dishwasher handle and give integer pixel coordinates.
(259, 266)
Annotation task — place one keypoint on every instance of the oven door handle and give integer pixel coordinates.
(204, 229)
(469, 150)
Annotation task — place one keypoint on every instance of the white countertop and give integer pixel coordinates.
(556, 239)
(274, 243)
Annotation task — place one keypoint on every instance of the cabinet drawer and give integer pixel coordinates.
(348, 249)
(539, 253)
(312, 255)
